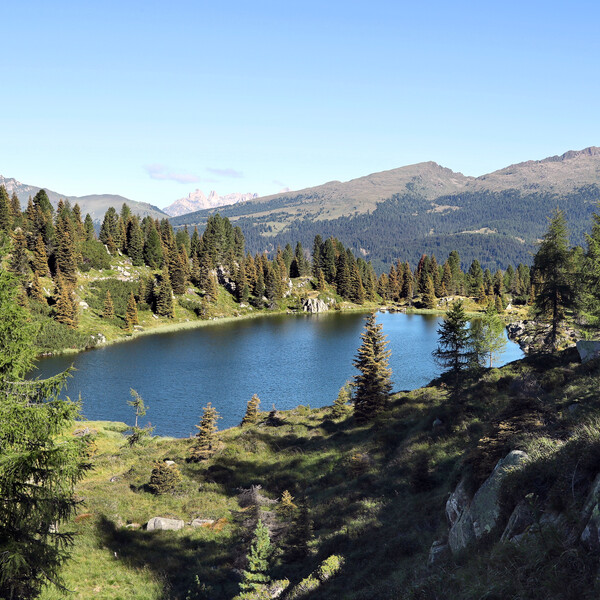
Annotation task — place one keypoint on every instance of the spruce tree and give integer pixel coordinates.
(164, 301)
(251, 415)
(109, 308)
(256, 574)
(65, 310)
(341, 406)
(18, 256)
(37, 293)
(454, 351)
(429, 293)
(131, 315)
(6, 219)
(553, 275)
(153, 253)
(41, 462)
(372, 386)
(206, 438)
(40, 258)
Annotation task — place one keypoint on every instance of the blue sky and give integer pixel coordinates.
(152, 100)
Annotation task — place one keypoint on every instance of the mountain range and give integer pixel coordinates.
(426, 208)
(196, 200)
(96, 204)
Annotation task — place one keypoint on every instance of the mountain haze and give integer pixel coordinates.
(402, 213)
(96, 204)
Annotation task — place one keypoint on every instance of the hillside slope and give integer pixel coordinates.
(96, 204)
(496, 218)
(372, 495)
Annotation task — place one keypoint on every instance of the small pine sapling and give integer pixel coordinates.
(206, 438)
(341, 404)
(251, 415)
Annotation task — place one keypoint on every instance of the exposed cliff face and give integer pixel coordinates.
(197, 200)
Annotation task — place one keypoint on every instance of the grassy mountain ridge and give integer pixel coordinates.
(496, 218)
(95, 204)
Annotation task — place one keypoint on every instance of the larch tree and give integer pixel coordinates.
(372, 386)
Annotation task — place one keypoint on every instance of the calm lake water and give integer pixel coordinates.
(286, 360)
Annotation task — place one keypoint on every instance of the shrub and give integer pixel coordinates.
(93, 256)
(164, 478)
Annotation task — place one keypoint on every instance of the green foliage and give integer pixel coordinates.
(164, 478)
(454, 351)
(256, 574)
(93, 256)
(487, 336)
(206, 438)
(553, 275)
(120, 292)
(341, 405)
(372, 386)
(251, 415)
(38, 468)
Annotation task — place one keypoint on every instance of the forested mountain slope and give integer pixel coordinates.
(496, 218)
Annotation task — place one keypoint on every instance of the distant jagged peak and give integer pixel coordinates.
(197, 200)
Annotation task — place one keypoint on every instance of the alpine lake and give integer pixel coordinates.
(287, 360)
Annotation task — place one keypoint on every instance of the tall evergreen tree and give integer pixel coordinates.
(131, 315)
(372, 386)
(40, 463)
(164, 300)
(553, 274)
(6, 219)
(109, 307)
(18, 256)
(40, 258)
(454, 351)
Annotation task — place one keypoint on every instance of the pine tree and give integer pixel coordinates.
(206, 438)
(131, 315)
(341, 406)
(65, 310)
(18, 260)
(41, 462)
(164, 301)
(429, 294)
(454, 351)
(553, 275)
(372, 386)
(37, 293)
(251, 415)
(109, 308)
(88, 226)
(153, 253)
(6, 219)
(591, 271)
(40, 258)
(255, 575)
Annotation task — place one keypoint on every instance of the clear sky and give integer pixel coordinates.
(153, 99)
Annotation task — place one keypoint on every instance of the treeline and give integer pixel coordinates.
(430, 281)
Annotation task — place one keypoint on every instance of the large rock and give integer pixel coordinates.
(483, 513)
(314, 305)
(162, 523)
(522, 517)
(591, 517)
(438, 552)
(588, 350)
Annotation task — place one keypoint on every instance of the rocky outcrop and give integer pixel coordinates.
(470, 522)
(196, 200)
(588, 350)
(535, 336)
(314, 305)
(164, 524)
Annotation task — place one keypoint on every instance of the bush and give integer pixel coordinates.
(164, 478)
(93, 256)
(119, 291)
